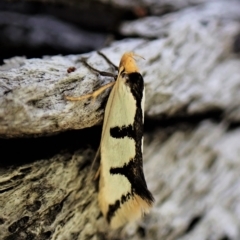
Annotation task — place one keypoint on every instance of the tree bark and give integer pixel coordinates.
(191, 151)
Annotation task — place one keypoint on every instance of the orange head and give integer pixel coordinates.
(128, 62)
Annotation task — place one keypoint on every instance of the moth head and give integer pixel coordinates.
(128, 63)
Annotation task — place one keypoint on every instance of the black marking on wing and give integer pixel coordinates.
(113, 207)
(133, 170)
(136, 84)
(121, 132)
(134, 173)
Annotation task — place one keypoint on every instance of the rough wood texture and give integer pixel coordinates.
(192, 169)
(49, 198)
(196, 189)
(190, 70)
(197, 182)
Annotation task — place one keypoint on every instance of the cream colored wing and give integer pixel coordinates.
(123, 193)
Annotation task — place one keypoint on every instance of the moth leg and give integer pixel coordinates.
(108, 60)
(98, 91)
(97, 174)
(93, 94)
(94, 160)
(97, 155)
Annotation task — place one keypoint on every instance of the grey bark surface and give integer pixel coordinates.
(191, 70)
(193, 173)
(192, 168)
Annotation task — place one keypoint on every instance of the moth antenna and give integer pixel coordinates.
(108, 60)
(102, 73)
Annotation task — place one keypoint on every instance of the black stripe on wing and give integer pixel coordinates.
(133, 170)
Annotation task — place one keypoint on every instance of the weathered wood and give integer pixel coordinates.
(191, 70)
(49, 199)
(193, 172)
(192, 168)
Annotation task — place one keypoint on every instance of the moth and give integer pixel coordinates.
(123, 193)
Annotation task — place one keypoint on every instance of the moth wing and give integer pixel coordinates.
(117, 201)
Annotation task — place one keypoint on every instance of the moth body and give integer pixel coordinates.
(123, 193)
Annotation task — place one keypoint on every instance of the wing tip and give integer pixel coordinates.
(130, 211)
